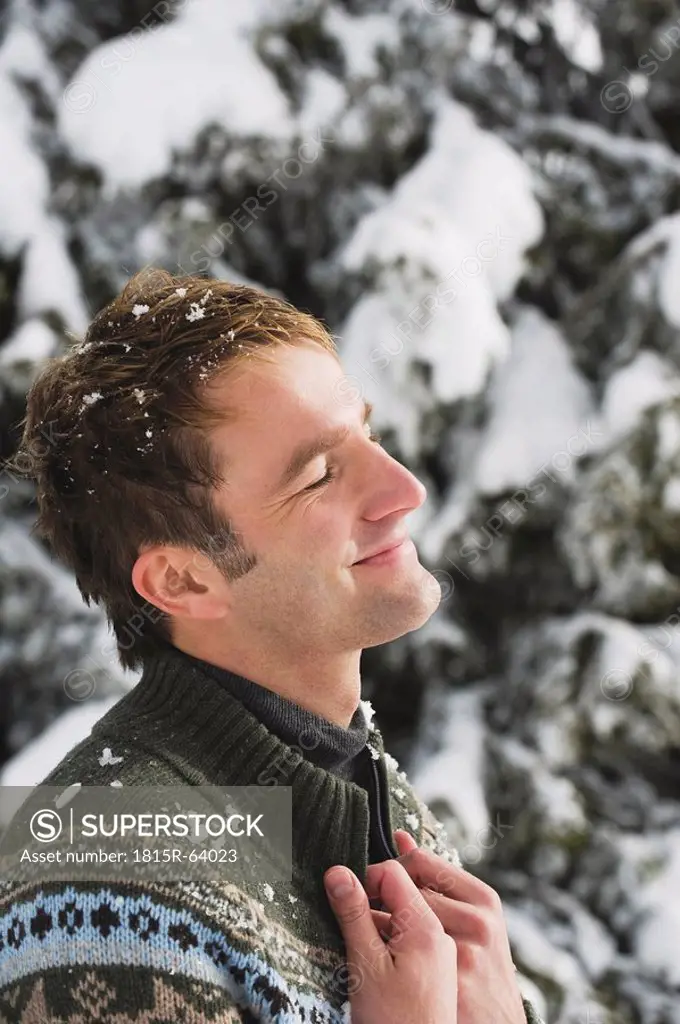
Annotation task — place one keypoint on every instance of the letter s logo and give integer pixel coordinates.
(45, 825)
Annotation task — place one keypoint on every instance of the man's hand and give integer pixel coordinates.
(411, 978)
(470, 912)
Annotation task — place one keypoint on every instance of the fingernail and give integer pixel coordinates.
(338, 882)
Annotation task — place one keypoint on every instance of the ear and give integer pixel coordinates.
(180, 582)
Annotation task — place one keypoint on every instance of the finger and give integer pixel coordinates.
(405, 841)
(427, 869)
(412, 917)
(383, 923)
(462, 921)
(349, 903)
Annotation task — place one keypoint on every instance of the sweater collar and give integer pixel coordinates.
(321, 741)
(183, 713)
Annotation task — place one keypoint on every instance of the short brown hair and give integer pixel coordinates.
(128, 461)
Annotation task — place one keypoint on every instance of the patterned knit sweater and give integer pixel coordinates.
(198, 952)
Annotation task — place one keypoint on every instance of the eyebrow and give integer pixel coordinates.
(308, 450)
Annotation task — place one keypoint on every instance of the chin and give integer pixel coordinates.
(395, 622)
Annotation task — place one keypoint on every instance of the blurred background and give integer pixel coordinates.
(479, 199)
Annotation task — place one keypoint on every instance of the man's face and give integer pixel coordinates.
(305, 533)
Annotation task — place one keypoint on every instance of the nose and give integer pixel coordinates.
(391, 487)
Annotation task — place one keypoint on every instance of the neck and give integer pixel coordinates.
(330, 688)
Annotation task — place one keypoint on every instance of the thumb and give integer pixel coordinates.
(349, 903)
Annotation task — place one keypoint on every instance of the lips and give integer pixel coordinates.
(382, 550)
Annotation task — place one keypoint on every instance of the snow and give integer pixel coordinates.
(454, 772)
(655, 936)
(49, 281)
(368, 712)
(540, 379)
(646, 380)
(593, 944)
(107, 757)
(671, 495)
(37, 760)
(32, 342)
(361, 38)
(559, 424)
(576, 34)
(324, 102)
(669, 275)
(470, 196)
(90, 399)
(621, 149)
(668, 427)
(557, 799)
(21, 553)
(535, 949)
(129, 88)
(23, 53)
(444, 248)
(660, 236)
(24, 184)
(196, 312)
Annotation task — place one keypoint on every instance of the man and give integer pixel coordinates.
(212, 484)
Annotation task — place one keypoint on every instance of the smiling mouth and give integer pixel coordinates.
(389, 555)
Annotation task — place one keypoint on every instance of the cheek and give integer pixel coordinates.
(325, 529)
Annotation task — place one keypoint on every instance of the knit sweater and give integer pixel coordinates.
(345, 752)
(198, 952)
(323, 742)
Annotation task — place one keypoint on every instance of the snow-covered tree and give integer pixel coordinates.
(479, 198)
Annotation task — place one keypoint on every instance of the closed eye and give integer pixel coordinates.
(330, 472)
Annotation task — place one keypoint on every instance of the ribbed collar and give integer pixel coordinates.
(182, 712)
(323, 742)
